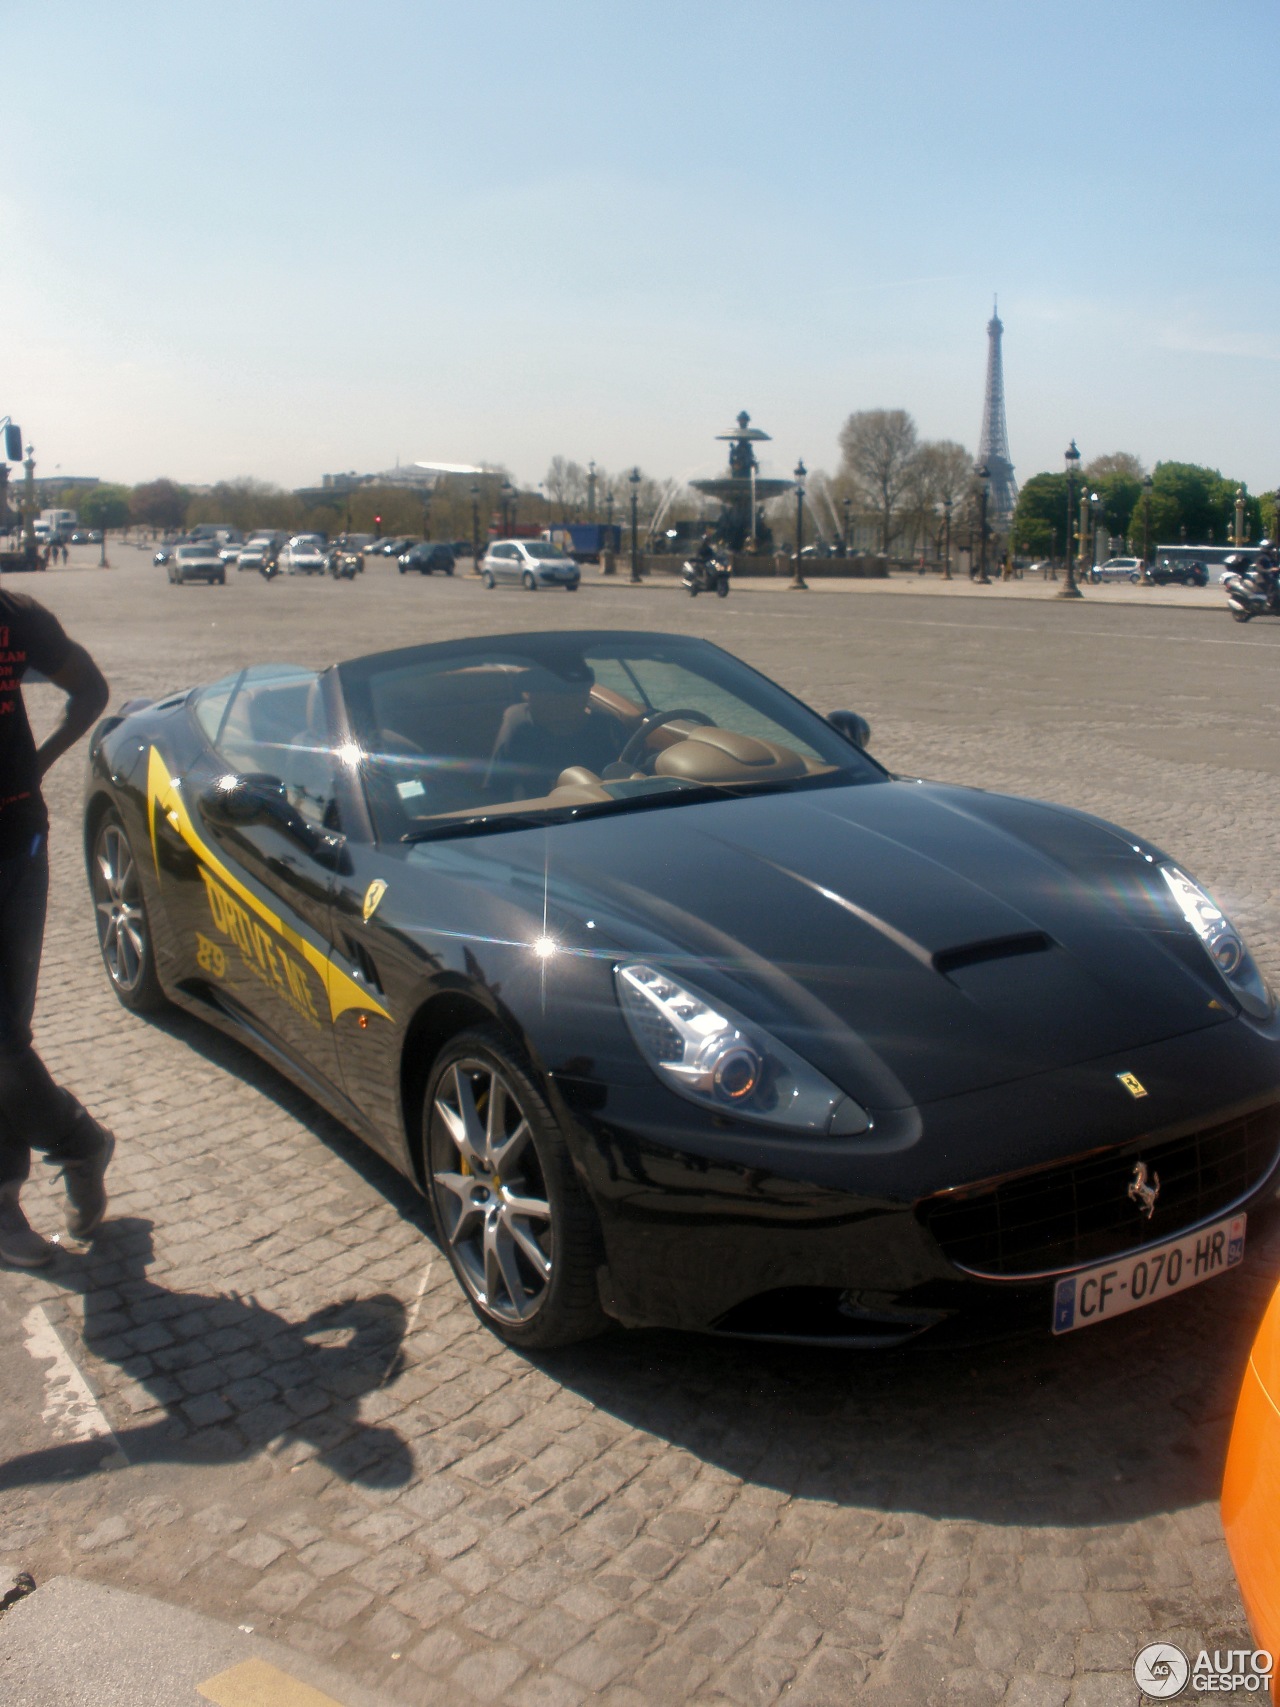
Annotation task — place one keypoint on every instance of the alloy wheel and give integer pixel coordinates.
(122, 922)
(490, 1191)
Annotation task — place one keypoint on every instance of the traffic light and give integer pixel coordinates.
(377, 527)
(12, 443)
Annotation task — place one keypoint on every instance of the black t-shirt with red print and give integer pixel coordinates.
(31, 638)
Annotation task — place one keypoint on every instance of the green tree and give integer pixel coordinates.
(106, 507)
(1040, 520)
(159, 504)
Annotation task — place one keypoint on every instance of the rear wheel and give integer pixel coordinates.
(124, 931)
(722, 587)
(514, 1222)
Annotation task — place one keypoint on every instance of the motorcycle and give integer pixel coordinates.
(269, 568)
(345, 565)
(1250, 592)
(706, 576)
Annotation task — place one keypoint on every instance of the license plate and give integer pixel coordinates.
(1112, 1288)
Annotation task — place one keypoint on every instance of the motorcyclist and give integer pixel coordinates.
(705, 559)
(1267, 568)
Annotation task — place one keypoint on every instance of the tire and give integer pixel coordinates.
(449, 569)
(124, 931)
(722, 588)
(1135, 579)
(403, 570)
(488, 580)
(529, 1276)
(529, 581)
(693, 589)
(222, 580)
(1241, 615)
(572, 586)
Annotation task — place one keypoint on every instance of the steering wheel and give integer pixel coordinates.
(635, 745)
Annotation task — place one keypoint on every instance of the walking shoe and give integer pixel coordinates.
(20, 1244)
(86, 1194)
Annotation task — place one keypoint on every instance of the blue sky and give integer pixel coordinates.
(282, 239)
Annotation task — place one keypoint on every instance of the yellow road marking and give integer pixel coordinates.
(255, 1683)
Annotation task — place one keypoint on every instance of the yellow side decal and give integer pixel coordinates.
(343, 992)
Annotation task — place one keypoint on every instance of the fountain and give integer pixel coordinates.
(742, 490)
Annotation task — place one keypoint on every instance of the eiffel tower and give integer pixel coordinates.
(993, 446)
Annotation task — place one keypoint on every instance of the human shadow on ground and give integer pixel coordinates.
(1108, 1425)
(230, 1376)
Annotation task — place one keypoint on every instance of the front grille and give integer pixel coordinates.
(1080, 1211)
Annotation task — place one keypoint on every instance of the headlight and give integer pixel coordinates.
(713, 1056)
(1222, 942)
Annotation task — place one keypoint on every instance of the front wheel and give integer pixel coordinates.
(488, 580)
(514, 1222)
(693, 589)
(124, 931)
(722, 587)
(529, 581)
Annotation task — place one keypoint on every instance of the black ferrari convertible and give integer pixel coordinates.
(682, 1010)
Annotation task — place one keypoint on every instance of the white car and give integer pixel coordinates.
(304, 555)
(253, 554)
(530, 563)
(1117, 569)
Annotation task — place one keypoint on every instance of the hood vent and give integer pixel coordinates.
(949, 960)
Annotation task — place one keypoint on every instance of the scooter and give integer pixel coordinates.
(710, 576)
(1249, 592)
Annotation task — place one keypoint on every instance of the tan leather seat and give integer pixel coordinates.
(723, 755)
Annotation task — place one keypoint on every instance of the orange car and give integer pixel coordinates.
(1251, 1487)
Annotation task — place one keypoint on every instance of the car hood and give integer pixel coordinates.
(913, 941)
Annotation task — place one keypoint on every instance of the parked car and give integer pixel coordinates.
(1163, 571)
(426, 559)
(304, 556)
(1251, 1485)
(530, 563)
(196, 561)
(1117, 569)
(683, 1010)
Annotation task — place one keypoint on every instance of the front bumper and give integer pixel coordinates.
(711, 1227)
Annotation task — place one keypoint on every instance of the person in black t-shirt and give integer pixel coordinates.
(551, 728)
(34, 1111)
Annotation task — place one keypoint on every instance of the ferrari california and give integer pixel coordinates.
(679, 1007)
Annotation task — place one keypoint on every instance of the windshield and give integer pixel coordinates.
(492, 734)
(545, 553)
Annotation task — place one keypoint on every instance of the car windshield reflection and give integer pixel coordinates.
(500, 734)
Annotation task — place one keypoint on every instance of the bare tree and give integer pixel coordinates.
(879, 447)
(1114, 462)
(943, 470)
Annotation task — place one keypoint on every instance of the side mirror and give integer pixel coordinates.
(855, 729)
(257, 798)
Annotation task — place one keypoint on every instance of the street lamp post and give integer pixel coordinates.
(984, 491)
(29, 499)
(1071, 457)
(946, 527)
(798, 582)
(634, 480)
(506, 492)
(1239, 516)
(847, 506)
(1147, 484)
(591, 491)
(608, 565)
(475, 528)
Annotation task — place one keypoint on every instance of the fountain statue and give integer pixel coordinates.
(743, 490)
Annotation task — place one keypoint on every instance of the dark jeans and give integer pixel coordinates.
(34, 1112)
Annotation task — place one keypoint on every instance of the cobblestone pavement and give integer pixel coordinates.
(317, 1439)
